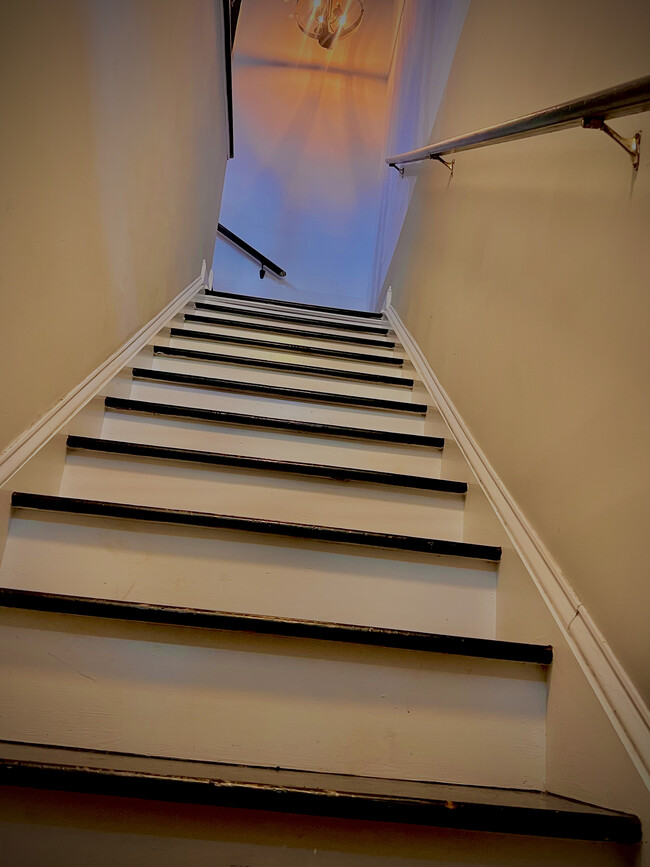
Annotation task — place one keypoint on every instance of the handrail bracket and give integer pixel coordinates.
(400, 169)
(450, 165)
(632, 145)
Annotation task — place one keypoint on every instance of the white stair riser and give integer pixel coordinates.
(270, 701)
(303, 312)
(295, 339)
(282, 355)
(178, 485)
(242, 373)
(248, 573)
(230, 439)
(313, 317)
(298, 410)
(324, 325)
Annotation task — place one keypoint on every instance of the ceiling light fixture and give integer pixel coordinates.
(328, 21)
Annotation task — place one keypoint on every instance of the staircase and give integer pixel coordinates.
(249, 627)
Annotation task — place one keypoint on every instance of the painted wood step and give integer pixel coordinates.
(308, 395)
(284, 366)
(229, 621)
(257, 299)
(175, 482)
(294, 348)
(184, 427)
(327, 326)
(307, 334)
(245, 403)
(285, 529)
(470, 808)
(343, 474)
(219, 569)
(268, 423)
(270, 699)
(272, 377)
(284, 317)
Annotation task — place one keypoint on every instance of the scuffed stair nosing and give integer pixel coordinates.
(309, 428)
(311, 793)
(268, 465)
(286, 529)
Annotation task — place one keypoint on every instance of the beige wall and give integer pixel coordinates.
(113, 147)
(525, 281)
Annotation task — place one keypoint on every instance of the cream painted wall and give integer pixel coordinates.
(525, 281)
(113, 146)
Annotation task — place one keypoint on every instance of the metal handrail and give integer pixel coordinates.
(589, 111)
(266, 264)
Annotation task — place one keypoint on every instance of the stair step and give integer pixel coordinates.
(286, 529)
(228, 621)
(257, 299)
(283, 366)
(252, 313)
(261, 574)
(144, 373)
(278, 424)
(461, 807)
(286, 347)
(296, 332)
(342, 474)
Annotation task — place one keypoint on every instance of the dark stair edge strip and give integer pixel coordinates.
(209, 520)
(270, 465)
(459, 815)
(283, 366)
(228, 621)
(274, 316)
(279, 391)
(266, 423)
(321, 352)
(295, 332)
(258, 299)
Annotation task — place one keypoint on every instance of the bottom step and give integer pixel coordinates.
(510, 811)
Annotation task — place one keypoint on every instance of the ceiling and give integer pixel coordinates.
(267, 33)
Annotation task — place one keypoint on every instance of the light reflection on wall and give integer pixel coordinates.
(305, 183)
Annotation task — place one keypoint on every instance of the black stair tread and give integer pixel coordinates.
(273, 316)
(273, 465)
(301, 394)
(229, 621)
(283, 366)
(355, 340)
(286, 529)
(287, 347)
(266, 423)
(258, 299)
(312, 793)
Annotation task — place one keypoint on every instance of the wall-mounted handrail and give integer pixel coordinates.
(231, 9)
(265, 263)
(589, 111)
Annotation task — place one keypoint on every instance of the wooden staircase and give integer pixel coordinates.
(248, 627)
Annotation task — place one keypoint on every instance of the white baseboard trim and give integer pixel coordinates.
(619, 697)
(35, 437)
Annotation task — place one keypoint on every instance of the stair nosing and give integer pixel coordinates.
(268, 423)
(294, 332)
(313, 793)
(286, 529)
(325, 472)
(323, 352)
(284, 366)
(282, 392)
(276, 316)
(258, 299)
(316, 630)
